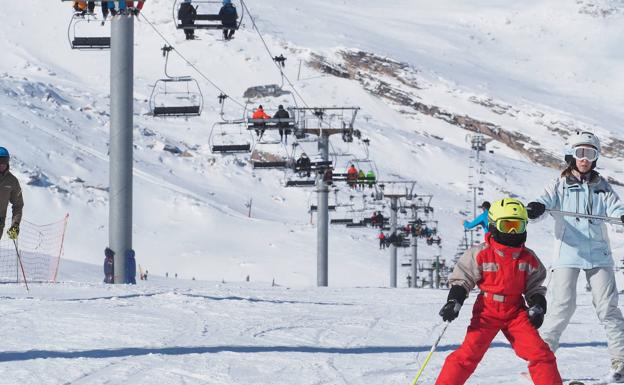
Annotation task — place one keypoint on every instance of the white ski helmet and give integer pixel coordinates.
(581, 138)
(584, 138)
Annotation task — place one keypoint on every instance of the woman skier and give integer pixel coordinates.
(582, 243)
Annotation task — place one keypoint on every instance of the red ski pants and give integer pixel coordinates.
(489, 317)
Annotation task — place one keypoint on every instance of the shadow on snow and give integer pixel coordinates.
(185, 350)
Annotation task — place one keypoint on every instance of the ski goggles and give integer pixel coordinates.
(588, 153)
(509, 226)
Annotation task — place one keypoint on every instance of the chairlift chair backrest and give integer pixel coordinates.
(99, 37)
(175, 95)
(230, 137)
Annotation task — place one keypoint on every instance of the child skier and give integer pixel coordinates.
(505, 271)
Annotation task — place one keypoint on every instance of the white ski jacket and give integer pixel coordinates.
(580, 242)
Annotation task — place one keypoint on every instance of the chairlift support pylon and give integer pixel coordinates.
(164, 102)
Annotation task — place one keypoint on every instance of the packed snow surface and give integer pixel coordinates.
(168, 331)
(548, 64)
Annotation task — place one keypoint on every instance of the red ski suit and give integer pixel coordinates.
(504, 274)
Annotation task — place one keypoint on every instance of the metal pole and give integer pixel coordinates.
(437, 270)
(393, 249)
(322, 226)
(120, 192)
(414, 250)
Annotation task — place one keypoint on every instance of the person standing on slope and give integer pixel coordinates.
(10, 192)
(583, 244)
(508, 274)
(482, 219)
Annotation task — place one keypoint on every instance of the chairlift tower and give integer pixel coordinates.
(121, 124)
(394, 197)
(322, 122)
(423, 204)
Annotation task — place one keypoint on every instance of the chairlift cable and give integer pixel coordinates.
(253, 22)
(188, 62)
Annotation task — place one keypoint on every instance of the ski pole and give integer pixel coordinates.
(19, 258)
(433, 348)
(611, 220)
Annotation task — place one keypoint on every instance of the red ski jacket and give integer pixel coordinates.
(500, 270)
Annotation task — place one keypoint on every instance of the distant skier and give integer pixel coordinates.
(229, 17)
(10, 192)
(382, 240)
(583, 244)
(187, 14)
(508, 274)
(109, 271)
(482, 219)
(130, 267)
(281, 113)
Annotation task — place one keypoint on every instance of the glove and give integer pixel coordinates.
(13, 232)
(457, 296)
(537, 309)
(535, 209)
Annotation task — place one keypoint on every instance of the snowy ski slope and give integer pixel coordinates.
(555, 62)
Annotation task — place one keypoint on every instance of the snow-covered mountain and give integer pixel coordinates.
(424, 74)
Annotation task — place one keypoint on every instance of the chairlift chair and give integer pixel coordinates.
(207, 16)
(224, 138)
(98, 39)
(175, 95)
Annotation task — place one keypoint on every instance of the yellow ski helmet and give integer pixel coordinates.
(508, 215)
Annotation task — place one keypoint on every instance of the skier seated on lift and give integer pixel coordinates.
(187, 14)
(260, 114)
(281, 113)
(380, 220)
(371, 178)
(135, 10)
(374, 219)
(361, 179)
(229, 18)
(328, 176)
(510, 277)
(352, 176)
(83, 7)
(303, 165)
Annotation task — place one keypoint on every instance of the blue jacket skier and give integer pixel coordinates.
(481, 219)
